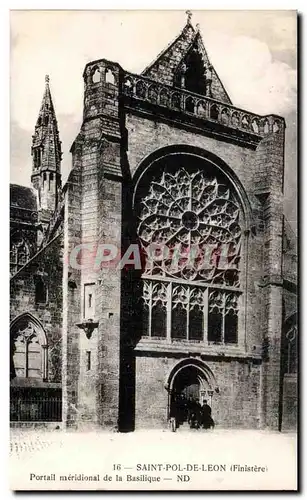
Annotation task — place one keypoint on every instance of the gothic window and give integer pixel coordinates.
(19, 253)
(28, 351)
(223, 317)
(154, 317)
(197, 303)
(189, 227)
(191, 73)
(179, 312)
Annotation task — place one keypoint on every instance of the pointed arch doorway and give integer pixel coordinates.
(190, 381)
(190, 384)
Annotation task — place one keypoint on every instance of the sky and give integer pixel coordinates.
(254, 53)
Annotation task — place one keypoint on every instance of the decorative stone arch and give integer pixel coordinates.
(146, 181)
(28, 327)
(31, 319)
(206, 379)
(204, 371)
(215, 161)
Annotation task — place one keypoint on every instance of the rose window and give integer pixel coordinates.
(189, 227)
(195, 220)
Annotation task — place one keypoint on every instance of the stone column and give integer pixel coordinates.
(273, 172)
(71, 293)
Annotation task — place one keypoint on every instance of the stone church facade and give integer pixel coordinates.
(163, 161)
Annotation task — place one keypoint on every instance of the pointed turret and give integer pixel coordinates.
(185, 64)
(46, 153)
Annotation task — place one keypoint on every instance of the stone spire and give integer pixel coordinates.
(46, 154)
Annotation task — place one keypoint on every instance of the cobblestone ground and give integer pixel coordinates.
(41, 453)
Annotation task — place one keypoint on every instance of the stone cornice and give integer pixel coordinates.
(189, 349)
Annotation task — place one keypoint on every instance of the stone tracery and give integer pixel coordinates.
(19, 253)
(195, 215)
(29, 350)
(185, 210)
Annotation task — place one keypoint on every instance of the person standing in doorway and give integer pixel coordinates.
(207, 420)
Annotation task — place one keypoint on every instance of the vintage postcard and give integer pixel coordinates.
(153, 254)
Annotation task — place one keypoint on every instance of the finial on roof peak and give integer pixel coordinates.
(189, 16)
(47, 78)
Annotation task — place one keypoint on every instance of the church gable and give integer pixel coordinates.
(164, 67)
(185, 64)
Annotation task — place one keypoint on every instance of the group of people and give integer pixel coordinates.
(188, 409)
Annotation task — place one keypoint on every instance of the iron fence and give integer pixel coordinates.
(36, 409)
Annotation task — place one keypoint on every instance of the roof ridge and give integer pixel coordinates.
(187, 25)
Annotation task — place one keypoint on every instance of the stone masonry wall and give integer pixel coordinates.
(96, 368)
(263, 304)
(146, 136)
(71, 295)
(237, 405)
(50, 314)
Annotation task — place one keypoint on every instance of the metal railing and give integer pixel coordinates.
(144, 89)
(36, 409)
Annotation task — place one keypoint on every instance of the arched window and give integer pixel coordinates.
(189, 227)
(191, 73)
(28, 349)
(110, 77)
(96, 75)
(19, 253)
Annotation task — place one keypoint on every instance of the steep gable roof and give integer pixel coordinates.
(166, 66)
